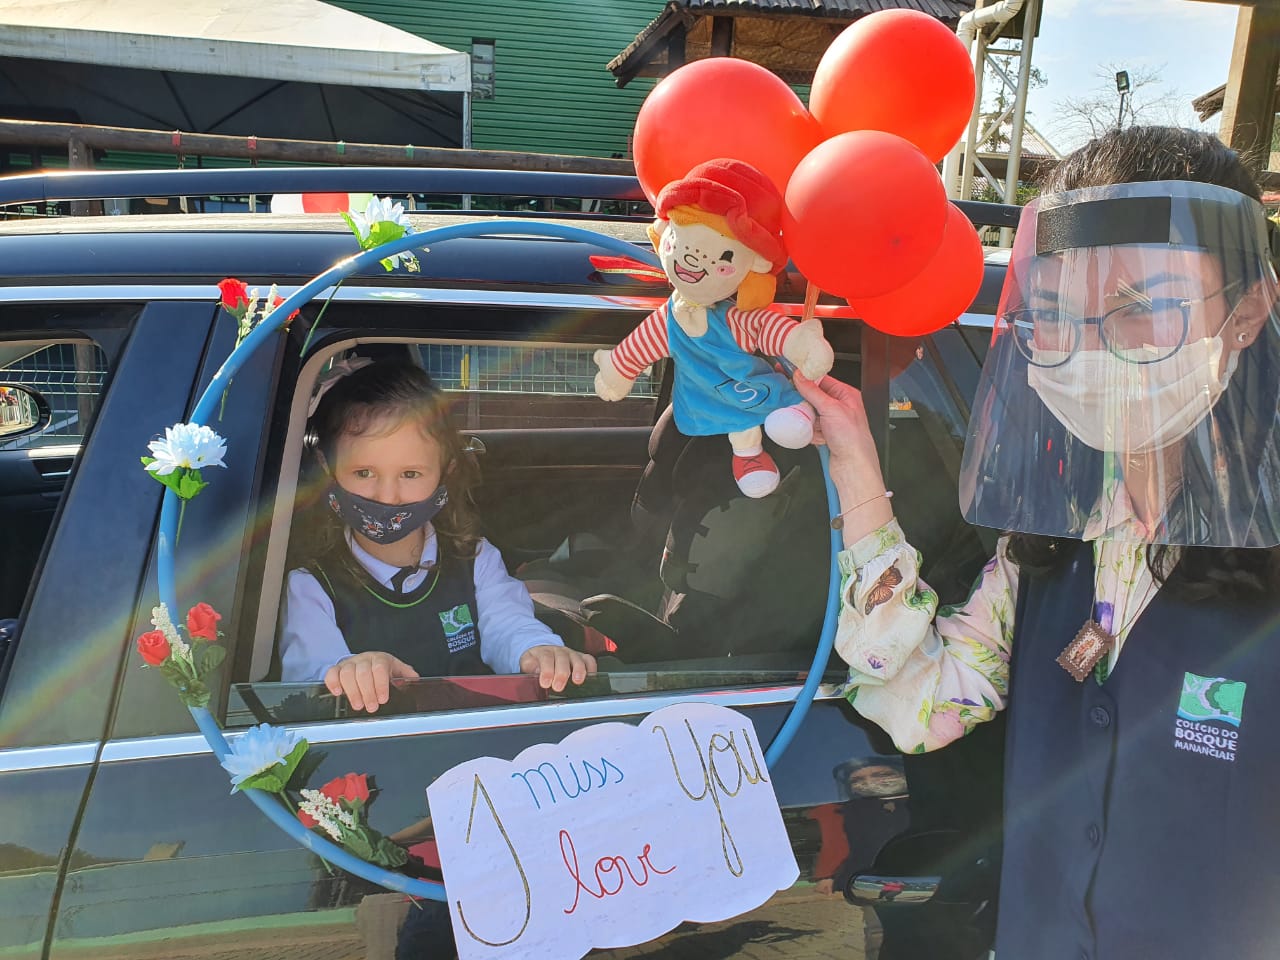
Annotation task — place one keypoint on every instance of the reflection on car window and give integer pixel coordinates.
(928, 418)
(519, 387)
(68, 375)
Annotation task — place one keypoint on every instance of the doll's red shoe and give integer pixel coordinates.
(757, 475)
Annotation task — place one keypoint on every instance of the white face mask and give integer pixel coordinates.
(1117, 406)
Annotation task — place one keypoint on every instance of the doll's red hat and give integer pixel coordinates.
(740, 193)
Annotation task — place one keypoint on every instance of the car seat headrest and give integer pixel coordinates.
(653, 498)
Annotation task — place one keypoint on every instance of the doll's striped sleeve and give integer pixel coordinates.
(643, 346)
(763, 330)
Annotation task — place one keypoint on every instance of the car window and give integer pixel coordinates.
(929, 395)
(528, 386)
(709, 589)
(34, 466)
(68, 375)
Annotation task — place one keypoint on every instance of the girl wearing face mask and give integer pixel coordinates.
(1126, 437)
(405, 586)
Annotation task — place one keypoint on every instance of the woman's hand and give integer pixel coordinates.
(855, 465)
(555, 665)
(365, 678)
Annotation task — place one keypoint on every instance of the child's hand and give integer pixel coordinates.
(555, 665)
(365, 678)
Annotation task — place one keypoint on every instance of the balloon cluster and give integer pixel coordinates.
(866, 217)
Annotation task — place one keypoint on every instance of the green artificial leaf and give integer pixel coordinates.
(388, 854)
(387, 264)
(384, 231)
(194, 693)
(190, 484)
(357, 842)
(211, 656)
(268, 780)
(292, 761)
(274, 778)
(351, 225)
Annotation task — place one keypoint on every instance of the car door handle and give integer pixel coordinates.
(870, 889)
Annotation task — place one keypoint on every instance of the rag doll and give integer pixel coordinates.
(718, 234)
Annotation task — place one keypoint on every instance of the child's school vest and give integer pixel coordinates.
(433, 628)
(1142, 816)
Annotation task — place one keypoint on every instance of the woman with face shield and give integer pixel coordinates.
(1126, 436)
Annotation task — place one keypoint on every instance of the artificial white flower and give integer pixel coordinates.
(186, 445)
(258, 749)
(327, 813)
(161, 620)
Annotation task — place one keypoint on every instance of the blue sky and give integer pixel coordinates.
(1189, 42)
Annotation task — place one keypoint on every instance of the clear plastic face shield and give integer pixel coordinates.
(1131, 389)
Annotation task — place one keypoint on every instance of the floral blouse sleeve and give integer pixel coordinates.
(924, 674)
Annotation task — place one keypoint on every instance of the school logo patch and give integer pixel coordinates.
(459, 627)
(1210, 711)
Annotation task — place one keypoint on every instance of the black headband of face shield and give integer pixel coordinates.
(1195, 222)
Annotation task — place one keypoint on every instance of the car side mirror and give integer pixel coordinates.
(22, 411)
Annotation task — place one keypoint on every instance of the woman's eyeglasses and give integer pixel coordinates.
(1145, 330)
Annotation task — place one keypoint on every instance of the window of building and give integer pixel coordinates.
(482, 63)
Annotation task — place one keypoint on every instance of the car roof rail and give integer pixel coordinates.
(129, 184)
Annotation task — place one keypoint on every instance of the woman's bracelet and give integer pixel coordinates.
(837, 522)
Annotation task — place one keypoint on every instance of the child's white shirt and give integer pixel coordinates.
(310, 641)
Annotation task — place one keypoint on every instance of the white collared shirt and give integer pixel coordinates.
(310, 641)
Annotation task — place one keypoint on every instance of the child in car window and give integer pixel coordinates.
(403, 585)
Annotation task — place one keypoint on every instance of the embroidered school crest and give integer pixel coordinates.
(1210, 711)
(459, 627)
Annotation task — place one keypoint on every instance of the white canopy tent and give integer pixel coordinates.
(290, 69)
(301, 40)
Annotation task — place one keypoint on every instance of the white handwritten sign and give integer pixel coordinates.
(611, 837)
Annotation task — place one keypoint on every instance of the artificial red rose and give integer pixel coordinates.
(352, 787)
(276, 303)
(154, 647)
(202, 622)
(235, 293)
(307, 819)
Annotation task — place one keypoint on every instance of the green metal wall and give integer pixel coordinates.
(552, 91)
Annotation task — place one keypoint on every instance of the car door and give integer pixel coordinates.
(169, 863)
(83, 552)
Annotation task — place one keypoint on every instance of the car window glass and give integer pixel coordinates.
(67, 375)
(699, 587)
(928, 418)
(35, 465)
(526, 386)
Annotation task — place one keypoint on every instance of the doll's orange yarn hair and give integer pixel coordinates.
(757, 289)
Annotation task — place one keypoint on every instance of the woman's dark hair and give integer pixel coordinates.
(1134, 155)
(380, 397)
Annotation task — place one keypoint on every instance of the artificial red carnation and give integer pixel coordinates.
(308, 820)
(235, 293)
(154, 647)
(351, 788)
(202, 622)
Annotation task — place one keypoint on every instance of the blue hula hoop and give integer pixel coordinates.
(205, 722)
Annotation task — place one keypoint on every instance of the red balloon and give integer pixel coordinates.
(940, 293)
(721, 107)
(865, 212)
(900, 71)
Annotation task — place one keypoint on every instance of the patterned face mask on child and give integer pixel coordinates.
(384, 522)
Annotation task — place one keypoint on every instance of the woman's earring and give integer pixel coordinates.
(1241, 337)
